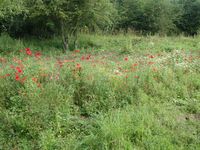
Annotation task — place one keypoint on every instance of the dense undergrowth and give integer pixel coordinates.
(115, 92)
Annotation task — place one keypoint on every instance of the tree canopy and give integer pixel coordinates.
(45, 18)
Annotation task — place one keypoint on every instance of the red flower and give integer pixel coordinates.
(83, 58)
(136, 77)
(77, 51)
(7, 75)
(17, 78)
(78, 66)
(60, 63)
(150, 63)
(151, 56)
(38, 54)
(28, 51)
(126, 58)
(12, 66)
(19, 70)
(135, 65)
(88, 57)
(34, 79)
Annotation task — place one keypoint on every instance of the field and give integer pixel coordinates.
(119, 92)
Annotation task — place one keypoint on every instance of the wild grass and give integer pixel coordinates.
(115, 92)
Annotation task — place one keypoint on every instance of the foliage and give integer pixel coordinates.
(189, 21)
(45, 19)
(87, 99)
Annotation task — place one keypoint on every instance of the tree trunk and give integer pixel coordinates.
(65, 38)
(65, 43)
(75, 41)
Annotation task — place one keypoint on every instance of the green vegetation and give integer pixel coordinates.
(115, 92)
(46, 18)
(99, 74)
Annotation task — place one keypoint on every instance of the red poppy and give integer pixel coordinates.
(34, 79)
(19, 70)
(77, 51)
(7, 75)
(151, 63)
(83, 58)
(88, 57)
(151, 56)
(136, 77)
(12, 66)
(135, 65)
(38, 54)
(78, 66)
(28, 51)
(126, 58)
(17, 78)
(60, 63)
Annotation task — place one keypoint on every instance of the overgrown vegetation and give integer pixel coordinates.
(117, 92)
(99, 74)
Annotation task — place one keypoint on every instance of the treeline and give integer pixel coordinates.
(45, 18)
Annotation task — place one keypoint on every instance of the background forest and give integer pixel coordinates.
(45, 18)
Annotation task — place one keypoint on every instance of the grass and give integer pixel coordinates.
(118, 92)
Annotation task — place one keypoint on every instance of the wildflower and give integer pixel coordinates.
(19, 70)
(78, 66)
(28, 51)
(38, 54)
(135, 65)
(7, 75)
(136, 77)
(126, 58)
(150, 63)
(35, 79)
(12, 66)
(60, 63)
(17, 78)
(151, 56)
(126, 70)
(77, 51)
(88, 57)
(83, 58)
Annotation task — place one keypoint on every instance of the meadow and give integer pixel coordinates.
(119, 92)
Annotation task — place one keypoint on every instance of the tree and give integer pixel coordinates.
(189, 21)
(70, 16)
(12, 15)
(147, 16)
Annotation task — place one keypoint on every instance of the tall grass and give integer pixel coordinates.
(147, 98)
